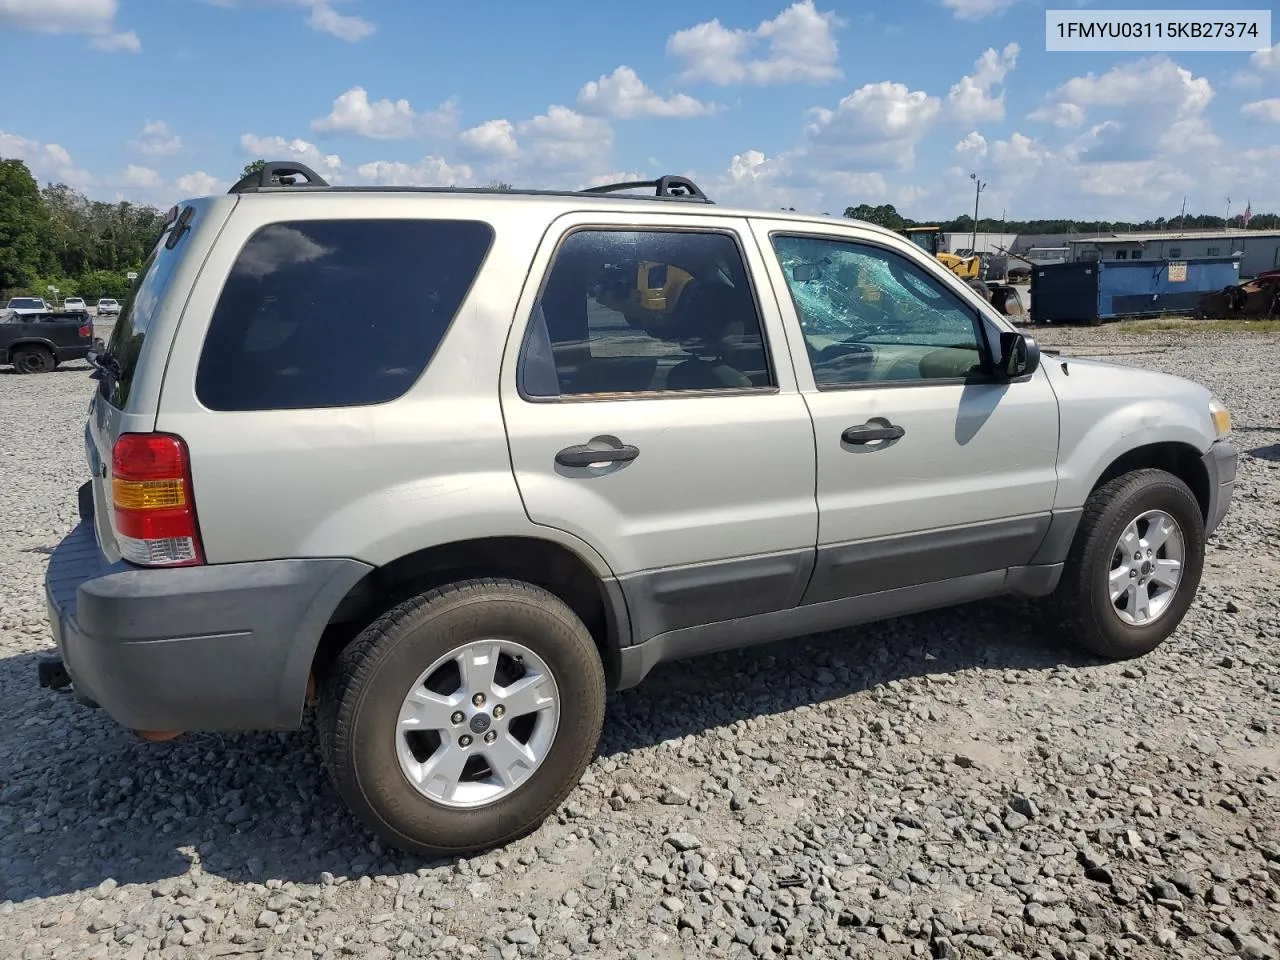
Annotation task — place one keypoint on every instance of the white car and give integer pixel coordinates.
(26, 305)
(75, 303)
(108, 307)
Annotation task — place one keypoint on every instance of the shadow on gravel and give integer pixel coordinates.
(82, 800)
(73, 367)
(1266, 453)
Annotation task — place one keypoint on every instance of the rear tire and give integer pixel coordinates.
(32, 359)
(1150, 512)
(399, 775)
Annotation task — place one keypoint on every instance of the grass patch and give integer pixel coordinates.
(1170, 324)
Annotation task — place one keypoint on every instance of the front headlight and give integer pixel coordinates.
(1221, 418)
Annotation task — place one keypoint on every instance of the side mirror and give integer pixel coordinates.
(1019, 355)
(804, 272)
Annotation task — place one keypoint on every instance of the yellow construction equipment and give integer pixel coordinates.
(929, 239)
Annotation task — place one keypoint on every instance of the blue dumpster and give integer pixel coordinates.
(1094, 290)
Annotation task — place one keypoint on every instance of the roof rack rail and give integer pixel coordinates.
(277, 173)
(669, 187)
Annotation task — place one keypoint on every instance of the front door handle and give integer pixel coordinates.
(584, 455)
(870, 432)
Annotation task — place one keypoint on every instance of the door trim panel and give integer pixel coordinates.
(675, 598)
(888, 563)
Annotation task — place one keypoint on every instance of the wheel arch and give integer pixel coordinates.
(1180, 459)
(32, 342)
(597, 600)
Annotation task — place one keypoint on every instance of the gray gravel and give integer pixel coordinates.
(940, 786)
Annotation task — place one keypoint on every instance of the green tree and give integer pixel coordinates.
(24, 226)
(884, 215)
(253, 166)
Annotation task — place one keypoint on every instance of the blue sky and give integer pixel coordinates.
(817, 105)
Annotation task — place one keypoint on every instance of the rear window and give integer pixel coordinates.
(336, 313)
(139, 310)
(25, 303)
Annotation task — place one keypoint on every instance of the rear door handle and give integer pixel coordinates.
(870, 432)
(584, 455)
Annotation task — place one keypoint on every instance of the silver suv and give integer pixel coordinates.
(450, 464)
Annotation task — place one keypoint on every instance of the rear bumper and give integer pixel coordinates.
(1220, 465)
(223, 647)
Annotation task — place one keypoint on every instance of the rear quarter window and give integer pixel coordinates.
(336, 313)
(139, 311)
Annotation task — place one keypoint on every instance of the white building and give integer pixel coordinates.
(1258, 250)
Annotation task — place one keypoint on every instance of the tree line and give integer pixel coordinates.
(886, 216)
(56, 236)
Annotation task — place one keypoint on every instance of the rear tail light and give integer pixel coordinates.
(86, 332)
(151, 494)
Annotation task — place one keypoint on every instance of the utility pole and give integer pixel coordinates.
(979, 186)
(1227, 225)
(1182, 217)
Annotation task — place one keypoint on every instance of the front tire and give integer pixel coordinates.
(1133, 568)
(462, 718)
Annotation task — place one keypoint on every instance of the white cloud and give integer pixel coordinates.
(1151, 179)
(137, 177)
(623, 94)
(157, 140)
(1063, 115)
(322, 16)
(353, 113)
(628, 176)
(1142, 81)
(564, 140)
(1268, 110)
(278, 148)
(46, 161)
(428, 172)
(1244, 80)
(327, 20)
(1268, 59)
(910, 194)
(800, 47)
(789, 180)
(977, 9)
(974, 143)
(970, 100)
(1157, 105)
(493, 138)
(1019, 152)
(199, 184)
(878, 122)
(58, 16)
(124, 42)
(96, 18)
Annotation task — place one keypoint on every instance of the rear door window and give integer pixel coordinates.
(336, 313)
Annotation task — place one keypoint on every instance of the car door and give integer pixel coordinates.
(929, 468)
(652, 411)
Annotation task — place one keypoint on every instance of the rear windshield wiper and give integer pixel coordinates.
(104, 366)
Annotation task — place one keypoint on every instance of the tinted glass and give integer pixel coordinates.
(869, 314)
(644, 311)
(139, 310)
(336, 313)
(23, 303)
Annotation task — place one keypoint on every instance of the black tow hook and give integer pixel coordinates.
(53, 673)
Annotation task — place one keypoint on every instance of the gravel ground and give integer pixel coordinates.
(944, 785)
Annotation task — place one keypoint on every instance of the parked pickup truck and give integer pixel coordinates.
(38, 342)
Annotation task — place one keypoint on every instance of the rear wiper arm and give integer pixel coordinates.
(104, 365)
